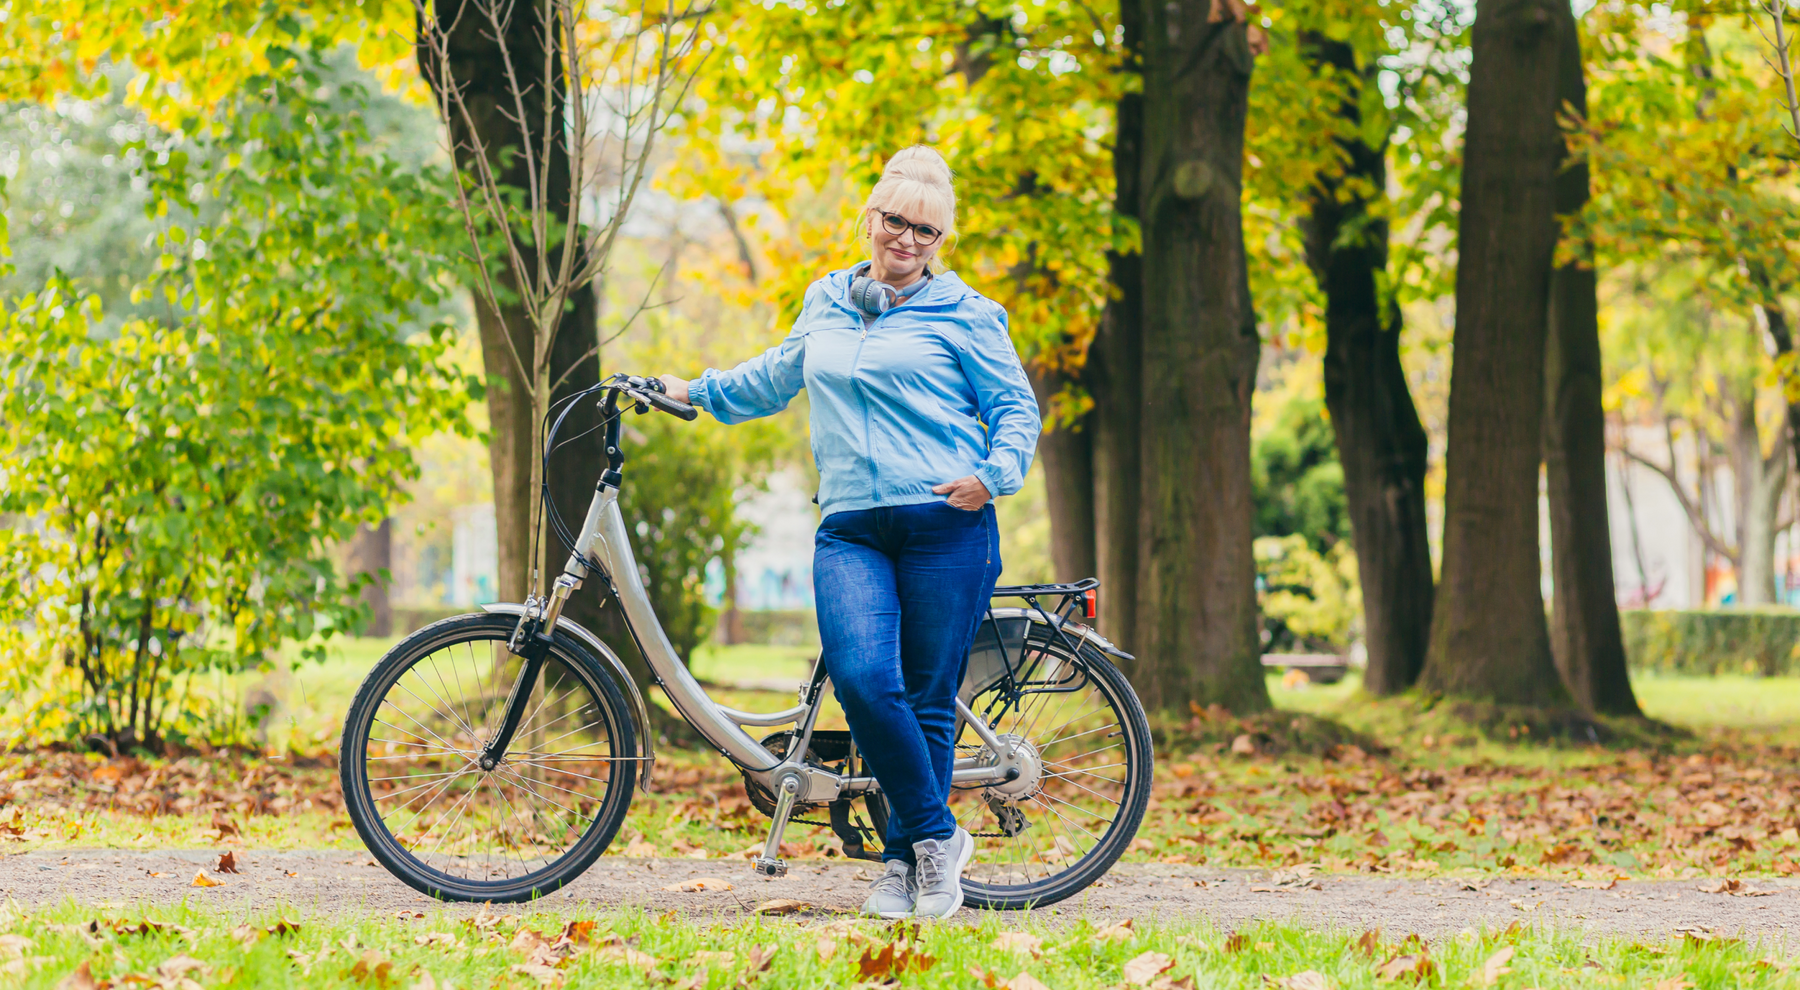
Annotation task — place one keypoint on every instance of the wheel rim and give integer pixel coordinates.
(488, 828)
(1029, 832)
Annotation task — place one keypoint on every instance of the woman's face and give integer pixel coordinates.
(899, 258)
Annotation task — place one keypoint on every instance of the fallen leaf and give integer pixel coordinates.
(1020, 943)
(1307, 980)
(700, 884)
(81, 979)
(1495, 967)
(227, 862)
(1416, 966)
(1144, 968)
(178, 966)
(761, 957)
(781, 905)
(1120, 932)
(1595, 884)
(893, 959)
(1236, 943)
(1243, 745)
(1675, 983)
(407, 915)
(1370, 943)
(545, 975)
(202, 880)
(425, 981)
(639, 849)
(225, 825)
(1024, 981)
(444, 939)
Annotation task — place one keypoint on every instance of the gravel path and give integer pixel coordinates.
(336, 880)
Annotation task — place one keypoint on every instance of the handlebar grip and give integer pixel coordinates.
(680, 410)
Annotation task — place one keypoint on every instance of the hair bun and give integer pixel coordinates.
(920, 163)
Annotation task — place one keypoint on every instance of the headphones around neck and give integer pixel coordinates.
(872, 297)
(875, 298)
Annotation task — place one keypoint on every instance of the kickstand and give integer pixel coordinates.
(770, 862)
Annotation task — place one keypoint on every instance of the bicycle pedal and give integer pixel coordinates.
(771, 867)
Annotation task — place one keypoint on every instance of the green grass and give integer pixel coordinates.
(632, 949)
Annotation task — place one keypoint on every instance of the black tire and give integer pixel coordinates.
(533, 823)
(1004, 873)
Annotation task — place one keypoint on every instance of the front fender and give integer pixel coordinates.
(604, 652)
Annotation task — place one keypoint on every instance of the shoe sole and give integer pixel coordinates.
(962, 863)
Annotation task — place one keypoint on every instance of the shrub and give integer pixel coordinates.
(174, 488)
(1728, 641)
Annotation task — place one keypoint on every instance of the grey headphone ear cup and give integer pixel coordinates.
(870, 296)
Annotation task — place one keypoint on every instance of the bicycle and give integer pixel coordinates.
(491, 791)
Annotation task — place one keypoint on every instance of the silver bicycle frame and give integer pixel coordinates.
(605, 541)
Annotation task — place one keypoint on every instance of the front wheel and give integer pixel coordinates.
(415, 789)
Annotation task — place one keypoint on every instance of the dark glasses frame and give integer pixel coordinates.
(923, 233)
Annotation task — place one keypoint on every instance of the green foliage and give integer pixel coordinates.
(1296, 479)
(1734, 641)
(680, 497)
(1311, 602)
(1686, 164)
(177, 485)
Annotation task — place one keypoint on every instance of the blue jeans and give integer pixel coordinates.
(900, 590)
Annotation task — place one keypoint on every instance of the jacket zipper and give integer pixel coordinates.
(862, 397)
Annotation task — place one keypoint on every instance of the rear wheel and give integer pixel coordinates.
(1086, 767)
(429, 812)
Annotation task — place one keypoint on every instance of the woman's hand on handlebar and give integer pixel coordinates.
(964, 493)
(673, 387)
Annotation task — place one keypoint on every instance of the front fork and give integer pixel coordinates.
(530, 641)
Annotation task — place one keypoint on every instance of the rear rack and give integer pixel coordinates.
(1080, 599)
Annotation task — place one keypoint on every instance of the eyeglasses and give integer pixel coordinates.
(924, 233)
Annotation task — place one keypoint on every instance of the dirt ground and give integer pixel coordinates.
(335, 881)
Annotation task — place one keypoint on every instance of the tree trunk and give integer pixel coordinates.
(1381, 443)
(1783, 337)
(1067, 452)
(1585, 637)
(1197, 611)
(1488, 635)
(1115, 379)
(479, 70)
(372, 553)
(1760, 482)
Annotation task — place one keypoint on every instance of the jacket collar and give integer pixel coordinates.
(945, 289)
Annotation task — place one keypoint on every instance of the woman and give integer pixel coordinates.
(921, 416)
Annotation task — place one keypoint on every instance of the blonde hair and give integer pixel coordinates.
(916, 181)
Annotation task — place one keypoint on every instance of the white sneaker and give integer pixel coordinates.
(891, 895)
(941, 863)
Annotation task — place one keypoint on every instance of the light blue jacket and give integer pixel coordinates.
(929, 392)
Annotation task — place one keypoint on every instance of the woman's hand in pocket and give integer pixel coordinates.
(964, 493)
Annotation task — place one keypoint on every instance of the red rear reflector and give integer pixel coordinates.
(1090, 600)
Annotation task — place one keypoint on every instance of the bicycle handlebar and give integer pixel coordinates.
(673, 407)
(649, 391)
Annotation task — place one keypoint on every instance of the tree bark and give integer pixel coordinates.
(1197, 610)
(1489, 639)
(1585, 638)
(1114, 375)
(372, 553)
(1783, 337)
(1381, 443)
(1067, 452)
(1759, 482)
